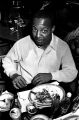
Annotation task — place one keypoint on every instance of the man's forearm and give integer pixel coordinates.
(65, 75)
(9, 68)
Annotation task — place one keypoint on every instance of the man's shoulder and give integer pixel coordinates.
(23, 42)
(24, 39)
(61, 44)
(60, 41)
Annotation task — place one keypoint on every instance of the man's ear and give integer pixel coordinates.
(53, 28)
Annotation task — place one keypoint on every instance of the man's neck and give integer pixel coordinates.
(42, 47)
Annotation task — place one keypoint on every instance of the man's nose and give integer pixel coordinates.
(38, 34)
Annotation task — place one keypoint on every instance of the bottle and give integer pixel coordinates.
(15, 112)
(65, 104)
(75, 103)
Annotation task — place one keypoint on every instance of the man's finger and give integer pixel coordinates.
(15, 85)
(37, 80)
(22, 82)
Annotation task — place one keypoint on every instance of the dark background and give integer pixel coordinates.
(66, 10)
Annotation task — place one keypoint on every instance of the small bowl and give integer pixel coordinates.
(39, 117)
(31, 109)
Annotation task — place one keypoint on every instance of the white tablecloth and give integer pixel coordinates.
(23, 98)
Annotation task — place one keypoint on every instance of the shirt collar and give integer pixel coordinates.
(53, 43)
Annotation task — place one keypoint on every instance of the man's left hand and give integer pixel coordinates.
(42, 78)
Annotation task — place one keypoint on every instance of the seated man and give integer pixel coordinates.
(37, 58)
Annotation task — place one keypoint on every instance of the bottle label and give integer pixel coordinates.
(15, 113)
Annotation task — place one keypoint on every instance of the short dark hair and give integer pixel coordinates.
(45, 14)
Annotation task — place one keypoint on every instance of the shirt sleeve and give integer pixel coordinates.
(8, 63)
(68, 71)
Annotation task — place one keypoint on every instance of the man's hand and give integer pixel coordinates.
(18, 81)
(42, 78)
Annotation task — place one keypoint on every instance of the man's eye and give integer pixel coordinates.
(45, 31)
(34, 29)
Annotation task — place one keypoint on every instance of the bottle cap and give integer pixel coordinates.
(69, 94)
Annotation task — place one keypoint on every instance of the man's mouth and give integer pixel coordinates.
(39, 39)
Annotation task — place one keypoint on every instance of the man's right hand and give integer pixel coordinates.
(18, 81)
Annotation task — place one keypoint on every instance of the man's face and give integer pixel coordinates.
(42, 32)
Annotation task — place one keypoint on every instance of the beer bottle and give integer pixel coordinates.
(15, 112)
